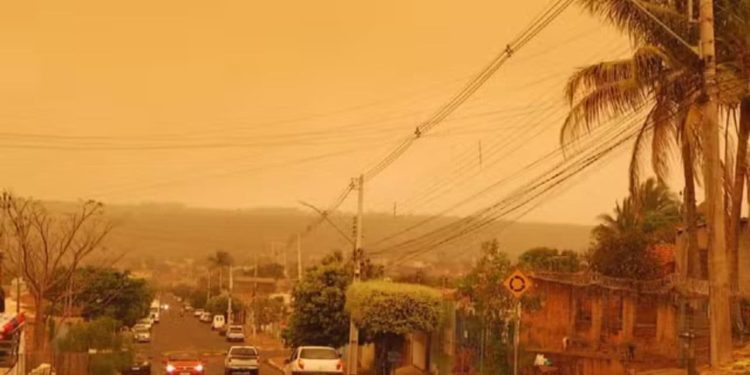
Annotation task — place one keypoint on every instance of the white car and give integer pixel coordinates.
(198, 312)
(314, 360)
(141, 333)
(241, 360)
(218, 322)
(206, 317)
(235, 333)
(147, 322)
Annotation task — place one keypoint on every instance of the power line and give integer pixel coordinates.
(522, 198)
(535, 27)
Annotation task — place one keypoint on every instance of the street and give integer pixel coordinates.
(175, 333)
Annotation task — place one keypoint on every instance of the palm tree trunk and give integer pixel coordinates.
(694, 266)
(733, 227)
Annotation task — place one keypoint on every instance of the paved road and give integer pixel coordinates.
(175, 333)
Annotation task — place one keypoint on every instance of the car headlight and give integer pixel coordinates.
(170, 368)
(199, 368)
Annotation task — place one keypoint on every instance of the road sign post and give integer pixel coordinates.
(517, 284)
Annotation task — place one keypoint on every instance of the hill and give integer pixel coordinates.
(177, 232)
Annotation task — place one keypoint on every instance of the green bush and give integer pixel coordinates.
(380, 307)
(100, 334)
(218, 305)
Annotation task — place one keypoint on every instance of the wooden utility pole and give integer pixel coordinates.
(719, 306)
(353, 353)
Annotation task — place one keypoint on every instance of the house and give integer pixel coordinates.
(592, 324)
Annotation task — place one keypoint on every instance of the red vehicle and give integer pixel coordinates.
(184, 363)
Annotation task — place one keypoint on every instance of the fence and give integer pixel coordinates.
(63, 363)
(77, 363)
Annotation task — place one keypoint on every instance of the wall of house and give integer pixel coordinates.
(418, 348)
(546, 326)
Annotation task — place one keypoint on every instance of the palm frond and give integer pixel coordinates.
(662, 139)
(603, 103)
(637, 155)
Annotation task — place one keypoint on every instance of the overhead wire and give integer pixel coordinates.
(466, 162)
(535, 27)
(482, 218)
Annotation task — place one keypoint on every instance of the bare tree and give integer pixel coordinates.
(47, 248)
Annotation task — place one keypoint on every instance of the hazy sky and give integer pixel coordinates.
(262, 103)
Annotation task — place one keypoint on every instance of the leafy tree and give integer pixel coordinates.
(622, 242)
(106, 292)
(483, 287)
(553, 260)
(318, 315)
(218, 305)
(482, 294)
(268, 311)
(386, 311)
(100, 334)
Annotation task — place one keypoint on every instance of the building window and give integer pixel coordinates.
(645, 317)
(613, 313)
(583, 314)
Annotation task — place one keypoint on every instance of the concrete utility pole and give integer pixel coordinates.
(229, 299)
(353, 354)
(299, 257)
(721, 331)
(255, 291)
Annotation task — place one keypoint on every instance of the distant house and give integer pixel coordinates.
(249, 286)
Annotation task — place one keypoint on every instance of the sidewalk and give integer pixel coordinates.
(265, 342)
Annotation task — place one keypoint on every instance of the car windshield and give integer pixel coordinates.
(243, 353)
(140, 329)
(235, 329)
(319, 353)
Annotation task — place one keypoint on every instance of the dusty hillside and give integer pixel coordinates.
(173, 231)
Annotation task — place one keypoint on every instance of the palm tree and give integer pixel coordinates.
(623, 241)
(665, 77)
(653, 210)
(220, 260)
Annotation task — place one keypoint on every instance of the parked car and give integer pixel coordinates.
(206, 317)
(141, 333)
(314, 360)
(188, 308)
(241, 360)
(184, 363)
(218, 322)
(148, 322)
(235, 333)
(198, 313)
(141, 365)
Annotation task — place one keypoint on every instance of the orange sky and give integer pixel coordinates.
(262, 103)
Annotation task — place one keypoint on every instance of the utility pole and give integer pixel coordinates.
(208, 291)
(229, 299)
(286, 262)
(255, 291)
(353, 354)
(299, 257)
(720, 327)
